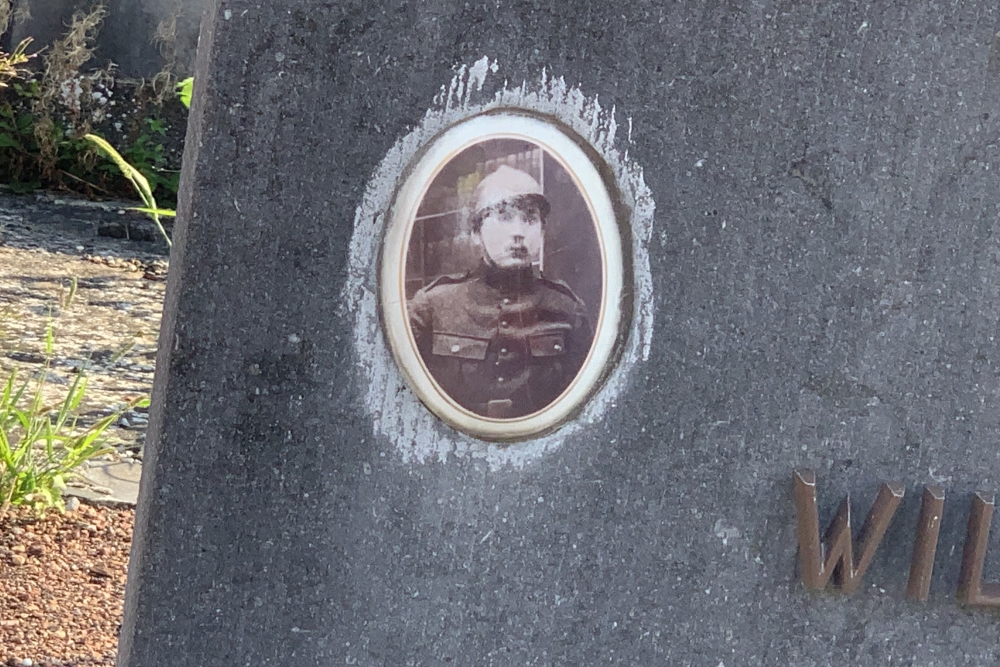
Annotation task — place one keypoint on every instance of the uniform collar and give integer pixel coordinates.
(506, 280)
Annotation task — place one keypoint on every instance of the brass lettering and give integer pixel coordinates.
(834, 555)
(971, 589)
(925, 545)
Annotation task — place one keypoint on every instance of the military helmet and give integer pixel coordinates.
(506, 185)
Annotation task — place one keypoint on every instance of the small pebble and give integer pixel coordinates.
(72, 504)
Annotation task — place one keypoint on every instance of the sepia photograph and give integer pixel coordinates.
(504, 279)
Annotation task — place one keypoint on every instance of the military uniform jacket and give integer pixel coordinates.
(500, 343)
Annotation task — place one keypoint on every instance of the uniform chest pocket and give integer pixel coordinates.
(462, 347)
(547, 344)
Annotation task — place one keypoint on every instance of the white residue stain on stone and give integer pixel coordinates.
(397, 414)
(478, 72)
(726, 532)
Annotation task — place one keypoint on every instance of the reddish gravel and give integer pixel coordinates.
(62, 585)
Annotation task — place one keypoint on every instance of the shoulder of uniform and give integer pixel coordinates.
(561, 287)
(440, 281)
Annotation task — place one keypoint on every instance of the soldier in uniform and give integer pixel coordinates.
(502, 340)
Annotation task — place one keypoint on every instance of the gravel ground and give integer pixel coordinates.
(62, 576)
(101, 296)
(62, 585)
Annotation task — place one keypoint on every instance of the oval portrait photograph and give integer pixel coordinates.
(502, 277)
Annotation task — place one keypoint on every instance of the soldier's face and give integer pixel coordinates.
(512, 236)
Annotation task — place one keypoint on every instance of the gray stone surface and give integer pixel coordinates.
(843, 318)
(127, 36)
(109, 483)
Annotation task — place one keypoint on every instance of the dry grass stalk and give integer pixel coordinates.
(22, 13)
(9, 13)
(6, 13)
(11, 64)
(69, 54)
(165, 38)
(61, 79)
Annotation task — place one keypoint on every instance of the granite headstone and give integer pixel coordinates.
(807, 198)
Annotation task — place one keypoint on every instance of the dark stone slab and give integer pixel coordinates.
(842, 319)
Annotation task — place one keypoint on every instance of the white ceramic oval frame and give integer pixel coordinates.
(593, 188)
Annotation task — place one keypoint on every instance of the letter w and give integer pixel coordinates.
(834, 554)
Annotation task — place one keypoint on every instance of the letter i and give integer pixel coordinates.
(925, 544)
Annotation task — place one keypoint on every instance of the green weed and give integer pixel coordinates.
(66, 160)
(44, 117)
(69, 163)
(138, 181)
(66, 295)
(41, 447)
(184, 90)
(18, 145)
(147, 155)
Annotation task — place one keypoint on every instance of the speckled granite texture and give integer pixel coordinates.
(826, 275)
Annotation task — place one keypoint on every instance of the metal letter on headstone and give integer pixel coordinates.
(972, 590)
(925, 543)
(822, 559)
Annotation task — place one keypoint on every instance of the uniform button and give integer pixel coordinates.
(503, 323)
(503, 350)
(499, 379)
(557, 347)
(506, 300)
(456, 348)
